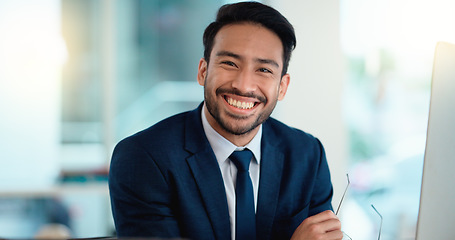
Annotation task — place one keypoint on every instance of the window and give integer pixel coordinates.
(389, 47)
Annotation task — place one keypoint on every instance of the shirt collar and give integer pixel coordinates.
(223, 148)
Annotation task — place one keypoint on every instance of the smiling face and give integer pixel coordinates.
(243, 82)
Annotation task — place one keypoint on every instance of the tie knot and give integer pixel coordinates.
(242, 159)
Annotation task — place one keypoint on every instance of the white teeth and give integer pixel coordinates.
(239, 104)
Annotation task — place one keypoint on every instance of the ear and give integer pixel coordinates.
(284, 83)
(202, 72)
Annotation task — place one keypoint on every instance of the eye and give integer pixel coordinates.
(229, 63)
(264, 70)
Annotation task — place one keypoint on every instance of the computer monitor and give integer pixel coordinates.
(437, 201)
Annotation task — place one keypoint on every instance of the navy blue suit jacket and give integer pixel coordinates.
(165, 182)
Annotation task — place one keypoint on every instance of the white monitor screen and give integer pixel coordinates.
(437, 201)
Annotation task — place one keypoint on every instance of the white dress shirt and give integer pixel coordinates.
(223, 149)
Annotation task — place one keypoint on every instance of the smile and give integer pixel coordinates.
(239, 104)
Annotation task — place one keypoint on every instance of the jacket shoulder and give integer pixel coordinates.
(287, 133)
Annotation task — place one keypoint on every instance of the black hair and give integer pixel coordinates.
(252, 12)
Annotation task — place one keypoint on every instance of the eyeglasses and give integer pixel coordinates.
(345, 190)
(380, 226)
(346, 236)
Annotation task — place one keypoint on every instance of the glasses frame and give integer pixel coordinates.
(380, 226)
(341, 201)
(344, 194)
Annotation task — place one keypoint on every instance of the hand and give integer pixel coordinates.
(322, 226)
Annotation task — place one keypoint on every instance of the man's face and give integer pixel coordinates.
(243, 82)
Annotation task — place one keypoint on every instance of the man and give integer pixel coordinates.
(178, 177)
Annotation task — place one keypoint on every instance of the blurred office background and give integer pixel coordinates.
(77, 76)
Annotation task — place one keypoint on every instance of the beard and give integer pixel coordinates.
(232, 123)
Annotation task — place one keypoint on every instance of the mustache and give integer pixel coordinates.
(237, 92)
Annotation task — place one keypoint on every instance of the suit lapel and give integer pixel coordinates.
(269, 183)
(209, 180)
(207, 175)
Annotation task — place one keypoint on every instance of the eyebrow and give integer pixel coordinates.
(268, 61)
(228, 54)
(237, 56)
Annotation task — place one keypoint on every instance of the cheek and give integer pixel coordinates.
(211, 84)
(271, 90)
(218, 79)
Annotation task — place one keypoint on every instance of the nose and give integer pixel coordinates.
(244, 82)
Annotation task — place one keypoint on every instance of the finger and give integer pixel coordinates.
(331, 225)
(321, 217)
(326, 226)
(334, 235)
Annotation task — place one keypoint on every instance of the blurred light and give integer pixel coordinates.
(31, 43)
(32, 52)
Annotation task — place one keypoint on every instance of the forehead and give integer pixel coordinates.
(248, 40)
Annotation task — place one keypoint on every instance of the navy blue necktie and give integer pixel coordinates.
(245, 227)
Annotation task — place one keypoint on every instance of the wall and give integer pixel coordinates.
(313, 102)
